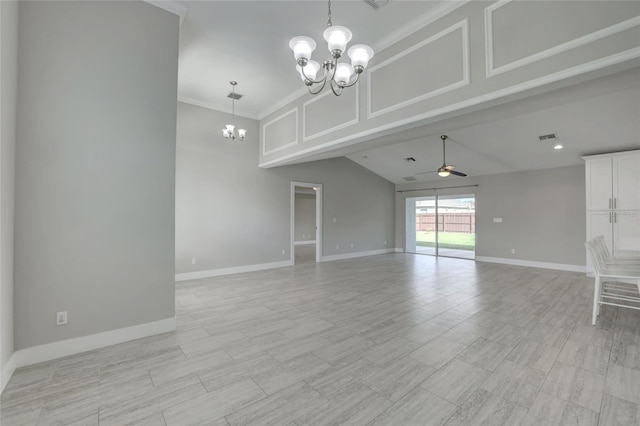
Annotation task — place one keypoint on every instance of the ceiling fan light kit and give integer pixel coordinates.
(445, 170)
(338, 74)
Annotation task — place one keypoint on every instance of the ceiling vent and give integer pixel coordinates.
(409, 179)
(235, 96)
(376, 4)
(549, 137)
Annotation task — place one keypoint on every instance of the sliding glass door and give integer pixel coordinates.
(441, 225)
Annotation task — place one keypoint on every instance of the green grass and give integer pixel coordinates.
(452, 240)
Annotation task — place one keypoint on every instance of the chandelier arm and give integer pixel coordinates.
(324, 82)
(351, 84)
(309, 79)
(333, 88)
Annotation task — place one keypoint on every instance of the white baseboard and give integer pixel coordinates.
(7, 372)
(532, 264)
(49, 351)
(304, 242)
(357, 254)
(398, 250)
(232, 270)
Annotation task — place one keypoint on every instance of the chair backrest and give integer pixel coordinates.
(602, 246)
(596, 259)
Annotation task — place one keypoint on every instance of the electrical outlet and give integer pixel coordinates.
(193, 260)
(283, 252)
(513, 251)
(334, 220)
(351, 245)
(385, 243)
(61, 318)
(337, 247)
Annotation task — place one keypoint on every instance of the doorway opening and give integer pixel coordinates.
(306, 222)
(441, 225)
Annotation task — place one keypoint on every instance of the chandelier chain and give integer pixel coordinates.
(329, 16)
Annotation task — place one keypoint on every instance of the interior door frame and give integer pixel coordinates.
(318, 190)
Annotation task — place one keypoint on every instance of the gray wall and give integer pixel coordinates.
(305, 210)
(543, 213)
(231, 213)
(8, 80)
(95, 168)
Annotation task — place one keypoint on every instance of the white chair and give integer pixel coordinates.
(601, 246)
(610, 287)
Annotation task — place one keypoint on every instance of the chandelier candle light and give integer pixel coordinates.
(339, 74)
(229, 131)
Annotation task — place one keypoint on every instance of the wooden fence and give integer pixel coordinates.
(447, 222)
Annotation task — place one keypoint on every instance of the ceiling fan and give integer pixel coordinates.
(445, 170)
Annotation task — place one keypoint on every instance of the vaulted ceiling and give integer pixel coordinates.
(247, 41)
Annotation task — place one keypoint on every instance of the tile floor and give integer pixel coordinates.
(385, 340)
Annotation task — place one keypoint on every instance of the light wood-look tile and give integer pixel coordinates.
(548, 410)
(485, 354)
(437, 352)
(456, 381)
(582, 387)
(417, 407)
(515, 382)
(391, 340)
(485, 408)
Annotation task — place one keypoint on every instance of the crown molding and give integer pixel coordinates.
(418, 23)
(215, 107)
(176, 7)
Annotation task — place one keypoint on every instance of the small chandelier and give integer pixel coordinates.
(339, 74)
(229, 131)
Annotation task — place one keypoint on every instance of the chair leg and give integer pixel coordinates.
(596, 300)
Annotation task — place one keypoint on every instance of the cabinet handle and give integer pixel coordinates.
(615, 218)
(609, 217)
(609, 202)
(614, 202)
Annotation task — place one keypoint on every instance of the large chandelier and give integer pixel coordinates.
(338, 74)
(229, 131)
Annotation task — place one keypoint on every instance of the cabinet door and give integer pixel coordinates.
(626, 233)
(599, 186)
(626, 181)
(600, 223)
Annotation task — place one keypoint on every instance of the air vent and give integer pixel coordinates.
(549, 137)
(235, 96)
(410, 160)
(409, 179)
(376, 4)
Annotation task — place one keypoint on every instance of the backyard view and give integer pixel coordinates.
(452, 240)
(452, 219)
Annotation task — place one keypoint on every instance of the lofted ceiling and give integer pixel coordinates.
(247, 41)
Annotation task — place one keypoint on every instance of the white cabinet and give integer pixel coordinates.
(613, 200)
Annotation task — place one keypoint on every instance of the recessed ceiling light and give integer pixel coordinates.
(558, 146)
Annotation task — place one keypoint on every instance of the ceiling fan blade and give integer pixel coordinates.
(454, 172)
(449, 167)
(424, 173)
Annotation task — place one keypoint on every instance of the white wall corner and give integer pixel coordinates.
(532, 264)
(187, 276)
(176, 7)
(62, 348)
(7, 372)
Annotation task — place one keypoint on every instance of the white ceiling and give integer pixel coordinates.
(598, 116)
(248, 41)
